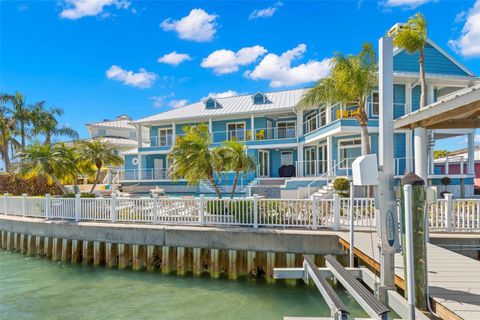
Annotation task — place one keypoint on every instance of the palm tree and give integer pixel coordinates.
(7, 139)
(99, 153)
(45, 123)
(351, 79)
(43, 160)
(234, 158)
(73, 163)
(21, 112)
(192, 159)
(413, 37)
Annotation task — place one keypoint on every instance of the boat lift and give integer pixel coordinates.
(350, 280)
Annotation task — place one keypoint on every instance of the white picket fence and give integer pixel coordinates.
(444, 215)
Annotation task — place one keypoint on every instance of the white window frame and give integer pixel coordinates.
(310, 116)
(371, 104)
(281, 157)
(339, 158)
(102, 132)
(286, 122)
(236, 130)
(166, 136)
(267, 152)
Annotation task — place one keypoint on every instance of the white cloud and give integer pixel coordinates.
(141, 79)
(225, 94)
(178, 103)
(174, 58)
(75, 9)
(197, 26)
(409, 4)
(279, 71)
(226, 61)
(468, 44)
(265, 13)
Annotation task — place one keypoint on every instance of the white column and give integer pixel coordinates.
(139, 175)
(420, 153)
(299, 168)
(408, 98)
(329, 155)
(139, 136)
(430, 94)
(408, 152)
(471, 153)
(210, 126)
(299, 123)
(328, 114)
(252, 125)
(174, 133)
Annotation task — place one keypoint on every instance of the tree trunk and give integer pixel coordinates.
(22, 134)
(97, 177)
(423, 84)
(47, 138)
(214, 184)
(362, 119)
(59, 184)
(234, 187)
(6, 157)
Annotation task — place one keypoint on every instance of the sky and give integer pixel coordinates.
(97, 59)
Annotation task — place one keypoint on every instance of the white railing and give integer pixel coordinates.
(142, 174)
(272, 133)
(453, 165)
(444, 215)
(161, 141)
(316, 122)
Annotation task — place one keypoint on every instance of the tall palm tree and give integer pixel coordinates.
(43, 160)
(192, 159)
(45, 123)
(7, 136)
(73, 163)
(22, 113)
(351, 79)
(235, 158)
(413, 37)
(99, 153)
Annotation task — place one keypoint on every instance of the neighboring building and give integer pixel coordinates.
(119, 132)
(456, 163)
(318, 142)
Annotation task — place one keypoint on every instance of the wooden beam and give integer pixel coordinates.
(456, 124)
(465, 112)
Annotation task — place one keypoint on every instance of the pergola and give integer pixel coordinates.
(460, 110)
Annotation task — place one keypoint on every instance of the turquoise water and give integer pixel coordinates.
(35, 288)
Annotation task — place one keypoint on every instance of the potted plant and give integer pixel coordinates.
(342, 187)
(445, 182)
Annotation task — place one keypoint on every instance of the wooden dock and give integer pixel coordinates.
(454, 279)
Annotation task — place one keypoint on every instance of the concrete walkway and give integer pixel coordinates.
(454, 279)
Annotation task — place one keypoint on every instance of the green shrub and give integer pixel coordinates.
(446, 181)
(82, 195)
(342, 186)
(15, 184)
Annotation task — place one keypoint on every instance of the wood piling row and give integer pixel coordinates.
(232, 264)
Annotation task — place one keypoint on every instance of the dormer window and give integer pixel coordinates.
(259, 98)
(211, 103)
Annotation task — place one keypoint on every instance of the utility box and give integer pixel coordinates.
(365, 170)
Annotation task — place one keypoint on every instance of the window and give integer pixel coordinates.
(375, 103)
(311, 121)
(236, 131)
(211, 103)
(285, 129)
(286, 158)
(164, 138)
(348, 150)
(102, 132)
(259, 98)
(133, 134)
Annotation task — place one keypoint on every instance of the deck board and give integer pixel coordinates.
(454, 279)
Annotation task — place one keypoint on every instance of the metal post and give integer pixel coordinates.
(24, 204)
(255, 210)
(113, 208)
(314, 212)
(336, 211)
(47, 206)
(154, 208)
(78, 207)
(409, 250)
(448, 211)
(352, 231)
(202, 209)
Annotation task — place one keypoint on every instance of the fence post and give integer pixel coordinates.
(5, 203)
(255, 210)
(352, 223)
(24, 204)
(449, 212)
(155, 208)
(314, 212)
(47, 206)
(336, 211)
(113, 207)
(202, 210)
(78, 207)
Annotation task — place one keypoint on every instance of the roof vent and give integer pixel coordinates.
(123, 117)
(211, 103)
(260, 98)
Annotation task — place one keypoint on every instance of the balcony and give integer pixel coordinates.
(259, 134)
(142, 174)
(161, 141)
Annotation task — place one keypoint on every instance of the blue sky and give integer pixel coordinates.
(100, 58)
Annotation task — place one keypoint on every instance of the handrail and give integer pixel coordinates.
(329, 176)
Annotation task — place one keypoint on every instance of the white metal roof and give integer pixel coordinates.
(241, 104)
(122, 123)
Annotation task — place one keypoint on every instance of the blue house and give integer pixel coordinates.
(300, 149)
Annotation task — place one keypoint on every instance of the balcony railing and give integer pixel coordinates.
(161, 141)
(142, 174)
(273, 133)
